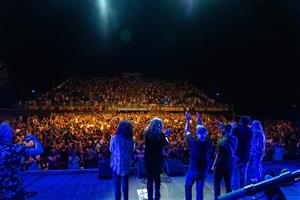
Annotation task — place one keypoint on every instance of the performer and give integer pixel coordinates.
(224, 160)
(243, 151)
(201, 157)
(10, 157)
(257, 149)
(121, 148)
(155, 140)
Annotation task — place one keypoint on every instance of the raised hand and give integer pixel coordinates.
(30, 137)
(167, 132)
(188, 116)
(233, 124)
(187, 124)
(199, 118)
(35, 144)
(219, 124)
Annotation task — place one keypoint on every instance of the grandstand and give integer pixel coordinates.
(66, 123)
(130, 92)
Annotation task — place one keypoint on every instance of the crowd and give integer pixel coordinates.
(80, 140)
(282, 142)
(125, 91)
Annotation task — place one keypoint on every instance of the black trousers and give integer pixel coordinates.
(219, 175)
(190, 179)
(120, 182)
(150, 179)
(19, 196)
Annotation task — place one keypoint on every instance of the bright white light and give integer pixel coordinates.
(108, 16)
(103, 8)
(104, 13)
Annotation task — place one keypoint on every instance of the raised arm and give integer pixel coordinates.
(38, 147)
(187, 124)
(233, 124)
(111, 145)
(199, 119)
(166, 133)
(220, 126)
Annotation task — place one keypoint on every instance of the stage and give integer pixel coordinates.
(84, 184)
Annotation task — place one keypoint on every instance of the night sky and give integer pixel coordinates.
(248, 50)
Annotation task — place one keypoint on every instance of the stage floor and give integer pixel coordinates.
(84, 184)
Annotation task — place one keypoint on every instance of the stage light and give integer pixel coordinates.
(108, 17)
(103, 7)
(104, 14)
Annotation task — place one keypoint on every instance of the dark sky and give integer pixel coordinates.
(246, 50)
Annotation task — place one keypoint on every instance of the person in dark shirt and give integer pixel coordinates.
(243, 151)
(224, 160)
(155, 140)
(10, 159)
(200, 158)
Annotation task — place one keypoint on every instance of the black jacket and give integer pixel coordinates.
(226, 152)
(244, 136)
(154, 154)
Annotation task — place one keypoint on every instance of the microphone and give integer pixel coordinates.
(27, 139)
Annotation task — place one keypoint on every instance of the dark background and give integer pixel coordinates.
(248, 50)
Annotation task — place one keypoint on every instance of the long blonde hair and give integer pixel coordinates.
(257, 127)
(154, 128)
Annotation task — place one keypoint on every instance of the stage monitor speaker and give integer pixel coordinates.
(174, 168)
(141, 170)
(104, 170)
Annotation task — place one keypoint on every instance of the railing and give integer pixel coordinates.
(129, 108)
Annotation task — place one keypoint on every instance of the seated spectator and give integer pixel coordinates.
(90, 94)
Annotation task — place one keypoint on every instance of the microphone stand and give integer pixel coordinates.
(270, 187)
